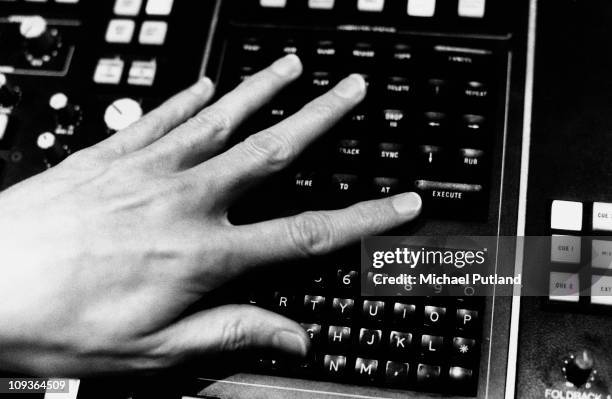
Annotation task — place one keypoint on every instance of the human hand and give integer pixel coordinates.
(102, 253)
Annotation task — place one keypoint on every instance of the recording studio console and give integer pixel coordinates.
(448, 84)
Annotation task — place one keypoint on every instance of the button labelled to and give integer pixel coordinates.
(601, 255)
(421, 8)
(471, 8)
(120, 31)
(565, 249)
(601, 290)
(566, 215)
(564, 287)
(602, 216)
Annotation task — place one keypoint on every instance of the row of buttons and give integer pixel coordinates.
(122, 31)
(132, 7)
(567, 215)
(110, 71)
(567, 249)
(415, 8)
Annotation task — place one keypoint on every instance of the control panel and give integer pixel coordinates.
(564, 337)
(73, 72)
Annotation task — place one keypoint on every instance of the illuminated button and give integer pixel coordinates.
(109, 71)
(602, 216)
(566, 215)
(601, 290)
(565, 249)
(120, 31)
(564, 287)
(127, 7)
(159, 7)
(273, 3)
(67, 1)
(371, 5)
(3, 125)
(601, 256)
(321, 4)
(421, 8)
(142, 73)
(153, 32)
(122, 113)
(471, 8)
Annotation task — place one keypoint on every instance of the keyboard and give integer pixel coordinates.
(431, 122)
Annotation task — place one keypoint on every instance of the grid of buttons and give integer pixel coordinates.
(580, 252)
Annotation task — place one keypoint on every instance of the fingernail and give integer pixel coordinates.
(288, 66)
(202, 86)
(291, 341)
(408, 204)
(351, 87)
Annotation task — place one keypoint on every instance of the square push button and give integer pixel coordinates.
(127, 7)
(421, 8)
(153, 32)
(565, 249)
(564, 287)
(371, 5)
(566, 215)
(120, 31)
(273, 3)
(321, 4)
(602, 216)
(471, 8)
(109, 71)
(601, 290)
(159, 7)
(142, 73)
(601, 256)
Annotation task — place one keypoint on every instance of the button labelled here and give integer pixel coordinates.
(601, 255)
(565, 249)
(421, 8)
(601, 290)
(602, 216)
(566, 215)
(564, 287)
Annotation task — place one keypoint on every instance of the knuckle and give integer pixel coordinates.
(271, 148)
(234, 335)
(322, 109)
(312, 233)
(213, 118)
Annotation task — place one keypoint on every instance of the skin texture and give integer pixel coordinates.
(105, 251)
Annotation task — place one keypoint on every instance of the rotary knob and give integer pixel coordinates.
(41, 42)
(66, 113)
(578, 369)
(9, 96)
(53, 151)
(122, 113)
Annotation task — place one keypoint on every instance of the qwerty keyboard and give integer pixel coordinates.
(432, 122)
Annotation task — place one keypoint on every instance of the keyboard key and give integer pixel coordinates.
(363, 52)
(601, 254)
(434, 124)
(349, 150)
(320, 82)
(283, 303)
(366, 370)
(447, 196)
(398, 88)
(344, 186)
(334, 366)
(153, 33)
(273, 3)
(394, 119)
(325, 50)
(128, 8)
(338, 337)
(434, 317)
(404, 314)
(321, 4)
(109, 71)
(142, 73)
(400, 343)
(428, 375)
(159, 7)
(313, 331)
(471, 162)
(602, 216)
(421, 8)
(401, 55)
(564, 287)
(373, 311)
(464, 350)
(472, 124)
(437, 89)
(370, 339)
(347, 279)
(396, 373)
(430, 160)
(461, 379)
(120, 31)
(306, 182)
(601, 290)
(475, 90)
(342, 308)
(468, 321)
(314, 306)
(566, 215)
(432, 346)
(385, 187)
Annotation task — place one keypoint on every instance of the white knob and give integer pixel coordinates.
(46, 141)
(122, 113)
(32, 27)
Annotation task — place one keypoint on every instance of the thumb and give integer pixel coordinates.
(234, 327)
